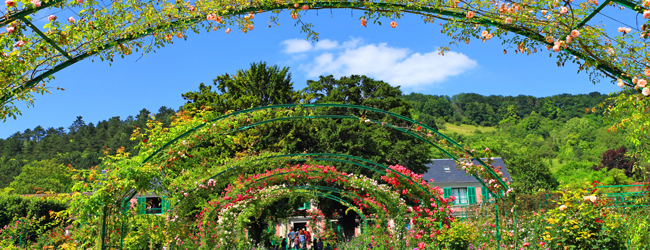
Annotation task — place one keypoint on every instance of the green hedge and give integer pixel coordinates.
(13, 207)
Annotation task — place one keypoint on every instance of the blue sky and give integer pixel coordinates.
(404, 56)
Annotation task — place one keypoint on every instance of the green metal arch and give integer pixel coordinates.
(359, 107)
(302, 155)
(336, 4)
(319, 191)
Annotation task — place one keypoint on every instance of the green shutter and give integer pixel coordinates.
(166, 206)
(142, 205)
(308, 205)
(484, 195)
(447, 192)
(471, 195)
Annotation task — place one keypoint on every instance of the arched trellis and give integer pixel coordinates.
(434, 9)
(409, 131)
(291, 158)
(260, 182)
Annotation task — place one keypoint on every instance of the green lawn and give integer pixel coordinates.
(465, 129)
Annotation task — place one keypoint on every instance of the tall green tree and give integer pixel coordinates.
(43, 176)
(260, 85)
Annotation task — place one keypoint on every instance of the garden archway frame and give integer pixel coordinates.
(155, 17)
(411, 130)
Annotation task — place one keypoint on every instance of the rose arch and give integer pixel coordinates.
(160, 167)
(31, 56)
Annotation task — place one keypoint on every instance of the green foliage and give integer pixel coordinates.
(457, 237)
(36, 214)
(43, 176)
(579, 173)
(260, 85)
(530, 173)
(581, 221)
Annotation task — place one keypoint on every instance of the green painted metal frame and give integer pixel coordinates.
(318, 5)
(359, 107)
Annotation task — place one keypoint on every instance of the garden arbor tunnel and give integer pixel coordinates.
(124, 24)
(414, 129)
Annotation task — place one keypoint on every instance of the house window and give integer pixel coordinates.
(464, 195)
(447, 169)
(460, 194)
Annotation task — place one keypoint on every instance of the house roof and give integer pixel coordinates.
(444, 173)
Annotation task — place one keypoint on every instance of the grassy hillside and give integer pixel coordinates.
(465, 129)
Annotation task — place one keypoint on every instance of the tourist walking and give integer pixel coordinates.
(302, 239)
(291, 237)
(296, 241)
(283, 245)
(307, 239)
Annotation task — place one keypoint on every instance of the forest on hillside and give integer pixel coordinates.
(564, 135)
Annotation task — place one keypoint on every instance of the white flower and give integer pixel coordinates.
(562, 208)
(620, 83)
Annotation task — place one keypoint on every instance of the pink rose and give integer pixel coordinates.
(470, 14)
(19, 44)
(305, 7)
(71, 19)
(51, 18)
(564, 10)
(80, 1)
(556, 48)
(10, 29)
(647, 72)
(646, 14)
(485, 33)
(227, 30)
(549, 39)
(36, 3)
(642, 83)
(508, 20)
(10, 3)
(646, 91)
(575, 33)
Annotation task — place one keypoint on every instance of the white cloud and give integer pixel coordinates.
(326, 44)
(397, 66)
(296, 46)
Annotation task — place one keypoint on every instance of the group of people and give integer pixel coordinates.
(302, 239)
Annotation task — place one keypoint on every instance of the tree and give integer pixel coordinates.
(616, 159)
(529, 171)
(43, 176)
(260, 85)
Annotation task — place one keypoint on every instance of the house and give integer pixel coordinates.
(466, 188)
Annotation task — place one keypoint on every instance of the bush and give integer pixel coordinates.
(35, 210)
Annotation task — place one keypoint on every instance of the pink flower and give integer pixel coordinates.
(71, 19)
(556, 48)
(10, 29)
(508, 20)
(421, 245)
(305, 7)
(564, 10)
(620, 83)
(569, 39)
(526, 244)
(36, 3)
(80, 1)
(227, 30)
(393, 24)
(646, 91)
(647, 72)
(363, 22)
(642, 83)
(470, 14)
(646, 14)
(624, 30)
(549, 39)
(10, 3)
(575, 33)
(51, 18)
(19, 44)
(484, 33)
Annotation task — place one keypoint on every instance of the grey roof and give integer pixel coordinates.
(455, 177)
